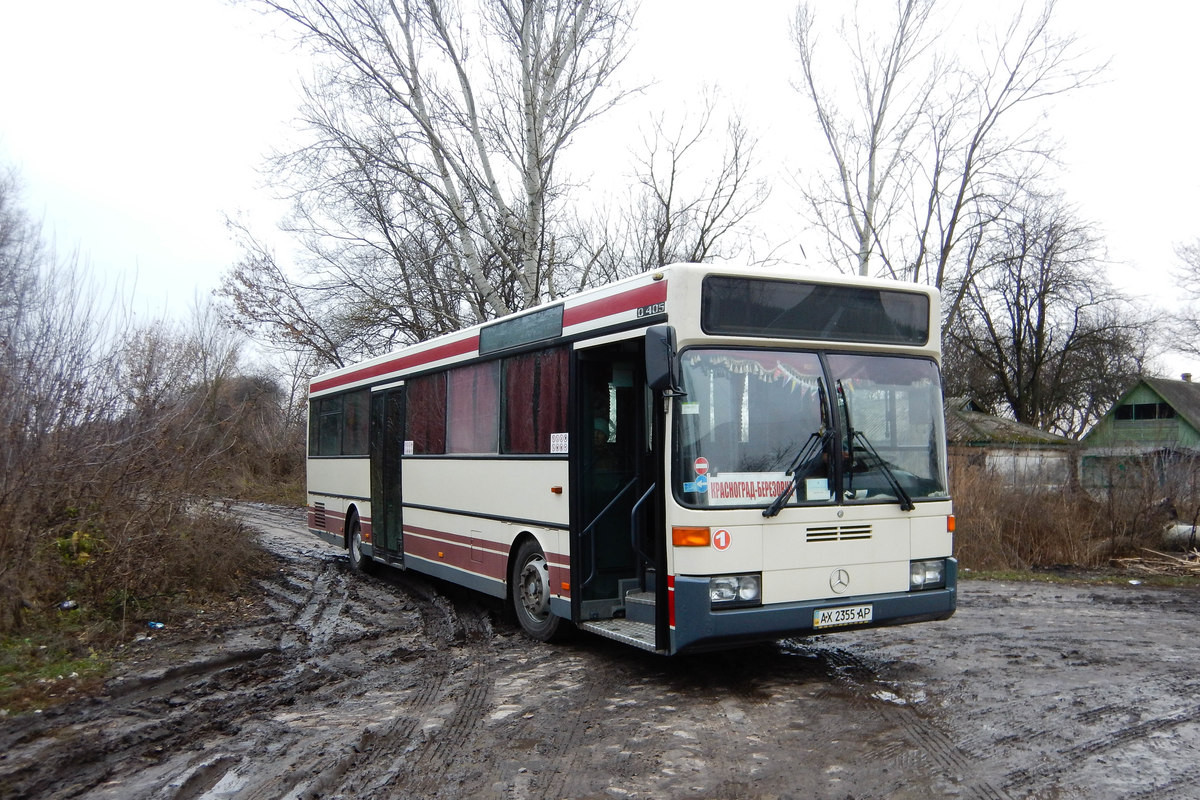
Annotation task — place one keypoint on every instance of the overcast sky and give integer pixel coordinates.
(138, 124)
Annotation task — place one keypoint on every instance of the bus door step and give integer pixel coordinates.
(638, 634)
(639, 607)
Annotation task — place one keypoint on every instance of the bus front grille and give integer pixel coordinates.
(838, 533)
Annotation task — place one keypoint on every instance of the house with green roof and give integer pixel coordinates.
(1153, 431)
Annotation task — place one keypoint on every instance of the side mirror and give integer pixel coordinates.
(660, 359)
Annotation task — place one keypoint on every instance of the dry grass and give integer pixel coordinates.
(1000, 528)
(1003, 527)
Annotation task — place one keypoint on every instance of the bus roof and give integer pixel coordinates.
(629, 303)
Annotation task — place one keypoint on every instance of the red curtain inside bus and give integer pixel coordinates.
(425, 423)
(535, 400)
(472, 403)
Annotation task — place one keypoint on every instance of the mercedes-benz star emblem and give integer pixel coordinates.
(839, 581)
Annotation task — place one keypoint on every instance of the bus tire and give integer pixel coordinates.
(531, 594)
(358, 562)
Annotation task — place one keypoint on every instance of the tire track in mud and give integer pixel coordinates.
(361, 753)
(309, 603)
(443, 743)
(139, 719)
(1053, 742)
(1180, 787)
(936, 747)
(564, 749)
(201, 730)
(433, 713)
(312, 610)
(1034, 778)
(729, 751)
(929, 748)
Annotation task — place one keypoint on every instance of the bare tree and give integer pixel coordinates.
(1188, 277)
(681, 209)
(1042, 337)
(693, 226)
(933, 148)
(426, 195)
(875, 148)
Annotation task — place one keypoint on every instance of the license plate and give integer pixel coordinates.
(844, 615)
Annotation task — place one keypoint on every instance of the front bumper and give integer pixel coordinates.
(698, 627)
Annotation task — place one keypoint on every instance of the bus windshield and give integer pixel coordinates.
(822, 428)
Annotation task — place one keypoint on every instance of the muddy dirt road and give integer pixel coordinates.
(338, 686)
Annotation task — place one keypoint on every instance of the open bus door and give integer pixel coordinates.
(387, 450)
(616, 520)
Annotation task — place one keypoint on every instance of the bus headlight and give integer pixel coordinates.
(726, 591)
(927, 574)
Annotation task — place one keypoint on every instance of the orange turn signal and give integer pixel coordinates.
(950, 524)
(691, 537)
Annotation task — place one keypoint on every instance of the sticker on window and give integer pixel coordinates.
(746, 488)
(817, 489)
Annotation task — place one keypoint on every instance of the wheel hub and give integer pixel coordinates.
(535, 588)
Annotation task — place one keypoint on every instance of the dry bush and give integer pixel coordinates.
(1145, 494)
(141, 567)
(114, 438)
(1001, 526)
(114, 517)
(1004, 527)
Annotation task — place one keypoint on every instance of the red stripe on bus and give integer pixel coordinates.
(458, 538)
(461, 347)
(641, 297)
(648, 295)
(489, 559)
(443, 551)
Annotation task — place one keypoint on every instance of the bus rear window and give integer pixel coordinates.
(796, 310)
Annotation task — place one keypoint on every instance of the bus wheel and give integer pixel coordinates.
(531, 593)
(357, 561)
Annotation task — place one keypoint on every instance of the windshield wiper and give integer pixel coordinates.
(812, 451)
(906, 502)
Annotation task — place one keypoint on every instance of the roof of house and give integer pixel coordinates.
(1183, 396)
(968, 426)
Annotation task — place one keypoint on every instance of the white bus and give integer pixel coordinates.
(693, 458)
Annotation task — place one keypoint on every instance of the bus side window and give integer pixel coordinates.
(329, 426)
